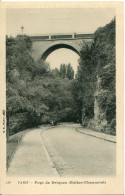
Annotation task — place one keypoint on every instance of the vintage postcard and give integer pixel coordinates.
(61, 102)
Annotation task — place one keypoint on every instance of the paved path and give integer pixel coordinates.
(31, 158)
(62, 151)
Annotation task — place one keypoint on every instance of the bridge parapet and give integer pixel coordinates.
(61, 37)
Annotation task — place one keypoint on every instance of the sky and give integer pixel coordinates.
(50, 21)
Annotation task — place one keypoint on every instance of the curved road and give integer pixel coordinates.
(62, 151)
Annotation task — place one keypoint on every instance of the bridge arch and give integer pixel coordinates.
(58, 46)
(43, 45)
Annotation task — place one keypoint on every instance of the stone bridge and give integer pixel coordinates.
(43, 45)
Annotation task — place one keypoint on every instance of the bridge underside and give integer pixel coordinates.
(55, 47)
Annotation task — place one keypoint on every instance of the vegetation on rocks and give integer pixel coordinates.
(96, 76)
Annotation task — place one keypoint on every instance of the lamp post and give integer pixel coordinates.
(22, 28)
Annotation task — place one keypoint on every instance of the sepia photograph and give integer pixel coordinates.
(61, 98)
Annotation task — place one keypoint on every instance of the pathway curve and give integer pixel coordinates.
(62, 151)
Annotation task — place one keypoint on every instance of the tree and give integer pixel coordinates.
(69, 71)
(63, 70)
(19, 65)
(56, 72)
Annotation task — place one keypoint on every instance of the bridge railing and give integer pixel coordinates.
(61, 36)
(87, 36)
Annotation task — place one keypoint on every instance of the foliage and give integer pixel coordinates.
(35, 94)
(105, 48)
(66, 71)
(86, 77)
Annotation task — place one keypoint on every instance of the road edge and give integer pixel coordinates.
(55, 171)
(95, 136)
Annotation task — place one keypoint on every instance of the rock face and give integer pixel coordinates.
(100, 121)
(102, 66)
